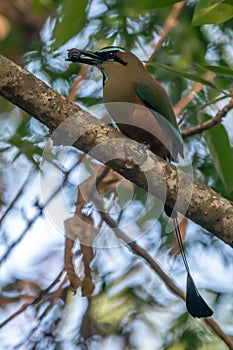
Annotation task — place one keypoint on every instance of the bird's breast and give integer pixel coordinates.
(138, 123)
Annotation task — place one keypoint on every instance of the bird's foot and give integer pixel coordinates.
(135, 153)
(143, 147)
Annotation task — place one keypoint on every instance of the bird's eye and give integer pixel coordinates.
(111, 55)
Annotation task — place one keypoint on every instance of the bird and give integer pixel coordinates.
(126, 81)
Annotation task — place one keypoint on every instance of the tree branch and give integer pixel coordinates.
(206, 207)
(77, 82)
(192, 93)
(209, 123)
(139, 251)
(35, 300)
(170, 23)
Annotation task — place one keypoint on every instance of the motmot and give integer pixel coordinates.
(126, 81)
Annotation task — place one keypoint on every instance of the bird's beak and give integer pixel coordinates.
(84, 56)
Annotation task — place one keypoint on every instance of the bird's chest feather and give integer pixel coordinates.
(132, 117)
(118, 90)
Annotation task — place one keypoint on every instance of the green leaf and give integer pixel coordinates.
(212, 12)
(176, 347)
(26, 148)
(150, 4)
(189, 76)
(71, 19)
(220, 70)
(112, 309)
(221, 151)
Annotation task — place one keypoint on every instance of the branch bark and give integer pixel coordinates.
(206, 207)
(197, 129)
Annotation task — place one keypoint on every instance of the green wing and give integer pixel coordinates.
(155, 97)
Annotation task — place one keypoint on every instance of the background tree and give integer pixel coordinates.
(187, 46)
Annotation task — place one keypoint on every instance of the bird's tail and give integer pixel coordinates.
(196, 305)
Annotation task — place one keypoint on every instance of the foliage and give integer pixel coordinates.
(130, 307)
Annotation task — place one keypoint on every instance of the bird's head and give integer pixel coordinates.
(109, 59)
(111, 54)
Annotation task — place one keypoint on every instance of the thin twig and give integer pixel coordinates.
(170, 23)
(209, 123)
(192, 93)
(32, 221)
(77, 82)
(34, 301)
(203, 106)
(18, 195)
(168, 281)
(143, 253)
(217, 330)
